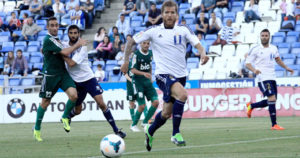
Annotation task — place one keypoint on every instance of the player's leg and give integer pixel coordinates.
(151, 95)
(272, 96)
(130, 98)
(131, 109)
(260, 104)
(81, 93)
(139, 90)
(39, 118)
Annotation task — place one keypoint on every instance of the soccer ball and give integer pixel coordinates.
(112, 146)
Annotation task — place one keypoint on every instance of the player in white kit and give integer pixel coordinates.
(83, 76)
(168, 42)
(263, 57)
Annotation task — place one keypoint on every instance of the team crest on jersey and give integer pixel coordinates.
(139, 34)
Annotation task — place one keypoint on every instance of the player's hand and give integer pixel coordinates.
(124, 67)
(148, 75)
(257, 72)
(204, 59)
(290, 70)
(82, 42)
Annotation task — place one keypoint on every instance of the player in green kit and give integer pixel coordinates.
(55, 76)
(142, 84)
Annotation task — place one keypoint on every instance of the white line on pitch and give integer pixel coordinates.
(208, 145)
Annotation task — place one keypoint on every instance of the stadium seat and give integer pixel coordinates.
(38, 66)
(138, 29)
(22, 13)
(291, 39)
(228, 50)
(16, 48)
(123, 79)
(295, 48)
(136, 23)
(280, 73)
(113, 77)
(32, 49)
(190, 18)
(109, 67)
(99, 62)
(111, 62)
(287, 22)
(239, 17)
(288, 56)
(247, 28)
(1, 62)
(19, 33)
(211, 37)
(14, 81)
(40, 38)
(43, 33)
(221, 74)
(278, 37)
(35, 59)
(26, 55)
(65, 38)
(279, 68)
(219, 63)
(298, 61)
(297, 28)
(289, 61)
(192, 27)
(193, 60)
(4, 39)
(184, 6)
(216, 49)
(283, 48)
(209, 74)
(28, 81)
(192, 65)
(259, 26)
(229, 15)
(195, 74)
(251, 38)
(1, 80)
(41, 22)
(7, 46)
(21, 43)
(6, 33)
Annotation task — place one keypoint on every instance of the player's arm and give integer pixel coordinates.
(69, 61)
(78, 44)
(138, 72)
(281, 63)
(78, 58)
(128, 78)
(129, 45)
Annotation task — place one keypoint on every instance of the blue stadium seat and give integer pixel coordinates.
(43, 33)
(109, 67)
(19, 33)
(111, 62)
(211, 37)
(280, 73)
(35, 59)
(34, 43)
(293, 33)
(283, 48)
(44, 27)
(298, 61)
(286, 22)
(139, 29)
(229, 15)
(277, 38)
(98, 62)
(16, 91)
(193, 60)
(192, 65)
(14, 81)
(190, 18)
(41, 38)
(16, 48)
(184, 6)
(1, 62)
(291, 38)
(28, 81)
(122, 79)
(7, 46)
(6, 33)
(1, 80)
(279, 68)
(137, 18)
(4, 39)
(297, 28)
(192, 27)
(38, 66)
(32, 49)
(37, 54)
(113, 77)
(288, 56)
(21, 43)
(136, 23)
(26, 55)
(22, 13)
(295, 48)
(289, 61)
(41, 22)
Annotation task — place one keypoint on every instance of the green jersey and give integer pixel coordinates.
(53, 61)
(142, 62)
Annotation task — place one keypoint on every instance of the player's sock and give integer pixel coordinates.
(69, 106)
(272, 111)
(110, 120)
(131, 113)
(136, 118)
(150, 113)
(39, 118)
(261, 104)
(177, 115)
(145, 111)
(158, 122)
(72, 114)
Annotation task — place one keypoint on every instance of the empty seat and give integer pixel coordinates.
(283, 48)
(193, 60)
(216, 49)
(280, 73)
(7, 46)
(28, 81)
(111, 62)
(14, 81)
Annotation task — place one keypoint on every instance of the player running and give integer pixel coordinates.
(79, 69)
(55, 76)
(263, 56)
(142, 84)
(168, 42)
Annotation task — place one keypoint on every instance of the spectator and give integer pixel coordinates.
(36, 9)
(76, 16)
(115, 31)
(207, 6)
(58, 9)
(195, 6)
(120, 55)
(14, 23)
(129, 7)
(116, 47)
(183, 22)
(99, 73)
(2, 25)
(99, 36)
(8, 63)
(297, 10)
(25, 19)
(283, 6)
(203, 44)
(104, 49)
(29, 31)
(251, 12)
(154, 17)
(290, 9)
(24, 5)
(215, 24)
(227, 34)
(19, 65)
(202, 24)
(47, 8)
(143, 7)
(123, 25)
(221, 6)
(88, 8)
(71, 5)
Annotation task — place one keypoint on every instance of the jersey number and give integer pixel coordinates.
(177, 39)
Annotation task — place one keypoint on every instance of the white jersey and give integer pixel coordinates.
(81, 71)
(169, 47)
(263, 59)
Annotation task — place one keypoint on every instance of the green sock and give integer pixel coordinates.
(69, 106)
(145, 111)
(39, 118)
(131, 113)
(150, 113)
(136, 118)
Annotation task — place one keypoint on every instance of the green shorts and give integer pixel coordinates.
(144, 88)
(51, 84)
(130, 92)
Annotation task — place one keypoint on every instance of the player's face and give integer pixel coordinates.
(264, 37)
(53, 27)
(145, 46)
(169, 16)
(73, 35)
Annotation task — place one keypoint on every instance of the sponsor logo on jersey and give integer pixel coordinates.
(145, 67)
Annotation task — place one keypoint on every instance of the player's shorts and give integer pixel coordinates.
(144, 88)
(268, 88)
(90, 86)
(130, 92)
(165, 81)
(51, 83)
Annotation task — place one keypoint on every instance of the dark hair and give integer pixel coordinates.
(19, 50)
(12, 13)
(99, 65)
(71, 27)
(115, 27)
(183, 20)
(169, 3)
(129, 35)
(25, 14)
(265, 30)
(99, 30)
(199, 33)
(107, 38)
(51, 19)
(152, 3)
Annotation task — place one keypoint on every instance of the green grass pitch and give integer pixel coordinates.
(207, 138)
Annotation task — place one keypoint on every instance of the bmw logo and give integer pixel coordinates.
(16, 108)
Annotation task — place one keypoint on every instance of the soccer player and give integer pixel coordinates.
(142, 83)
(168, 42)
(80, 71)
(55, 76)
(263, 57)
